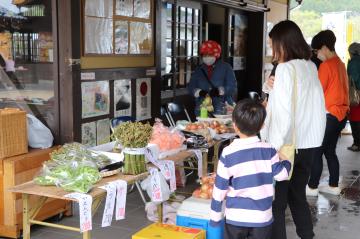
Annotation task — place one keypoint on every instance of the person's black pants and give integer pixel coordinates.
(355, 129)
(332, 133)
(292, 193)
(236, 232)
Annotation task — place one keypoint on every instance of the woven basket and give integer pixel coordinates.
(13, 133)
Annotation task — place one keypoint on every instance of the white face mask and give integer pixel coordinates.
(209, 60)
(321, 56)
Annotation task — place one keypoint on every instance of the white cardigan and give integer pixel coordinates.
(310, 116)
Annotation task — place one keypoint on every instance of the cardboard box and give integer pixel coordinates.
(164, 231)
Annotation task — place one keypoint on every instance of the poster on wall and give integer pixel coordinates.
(143, 98)
(102, 131)
(95, 98)
(122, 98)
(88, 134)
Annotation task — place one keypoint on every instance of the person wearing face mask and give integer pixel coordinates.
(214, 78)
(333, 77)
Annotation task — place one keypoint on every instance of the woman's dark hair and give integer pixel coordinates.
(288, 39)
(324, 38)
(249, 116)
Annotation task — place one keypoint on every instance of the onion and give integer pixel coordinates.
(211, 181)
(196, 193)
(204, 195)
(204, 180)
(204, 188)
(210, 191)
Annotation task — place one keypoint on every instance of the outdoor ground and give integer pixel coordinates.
(333, 217)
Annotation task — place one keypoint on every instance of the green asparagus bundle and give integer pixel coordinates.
(133, 136)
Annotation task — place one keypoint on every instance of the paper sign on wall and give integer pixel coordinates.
(122, 98)
(143, 98)
(85, 203)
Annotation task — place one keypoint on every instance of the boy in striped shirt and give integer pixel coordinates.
(245, 175)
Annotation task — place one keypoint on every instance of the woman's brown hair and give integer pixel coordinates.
(288, 42)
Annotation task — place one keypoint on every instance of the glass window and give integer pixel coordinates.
(27, 76)
(109, 32)
(183, 53)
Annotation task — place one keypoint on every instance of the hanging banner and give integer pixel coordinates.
(143, 98)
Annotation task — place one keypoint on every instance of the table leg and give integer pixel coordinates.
(216, 155)
(87, 235)
(160, 212)
(205, 162)
(26, 217)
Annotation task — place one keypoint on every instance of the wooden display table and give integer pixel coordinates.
(51, 192)
(17, 170)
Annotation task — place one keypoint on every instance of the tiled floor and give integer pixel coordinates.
(334, 217)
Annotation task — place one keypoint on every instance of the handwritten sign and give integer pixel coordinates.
(85, 203)
(109, 204)
(156, 194)
(167, 168)
(121, 191)
(199, 156)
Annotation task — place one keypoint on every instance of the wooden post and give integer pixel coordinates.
(26, 222)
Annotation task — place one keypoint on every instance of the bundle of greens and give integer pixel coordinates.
(133, 135)
(72, 167)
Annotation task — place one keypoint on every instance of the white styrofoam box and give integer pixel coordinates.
(195, 208)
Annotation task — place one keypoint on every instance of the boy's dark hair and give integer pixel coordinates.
(286, 36)
(249, 116)
(324, 38)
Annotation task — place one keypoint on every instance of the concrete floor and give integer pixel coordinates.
(333, 217)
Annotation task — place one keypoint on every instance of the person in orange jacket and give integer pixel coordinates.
(334, 80)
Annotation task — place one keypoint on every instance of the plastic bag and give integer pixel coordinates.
(166, 138)
(169, 211)
(164, 187)
(70, 169)
(39, 136)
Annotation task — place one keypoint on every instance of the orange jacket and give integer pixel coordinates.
(334, 80)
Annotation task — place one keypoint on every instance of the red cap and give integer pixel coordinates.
(211, 48)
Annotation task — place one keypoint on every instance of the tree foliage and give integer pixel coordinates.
(320, 6)
(308, 21)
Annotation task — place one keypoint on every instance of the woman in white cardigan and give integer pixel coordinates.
(293, 54)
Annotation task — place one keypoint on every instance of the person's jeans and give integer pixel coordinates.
(236, 232)
(332, 133)
(355, 129)
(292, 193)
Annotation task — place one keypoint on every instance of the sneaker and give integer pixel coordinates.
(330, 190)
(312, 192)
(354, 148)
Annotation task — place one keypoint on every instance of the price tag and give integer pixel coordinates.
(167, 168)
(156, 194)
(121, 191)
(109, 204)
(85, 203)
(199, 156)
(152, 157)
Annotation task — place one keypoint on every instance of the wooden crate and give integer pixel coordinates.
(17, 170)
(13, 133)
